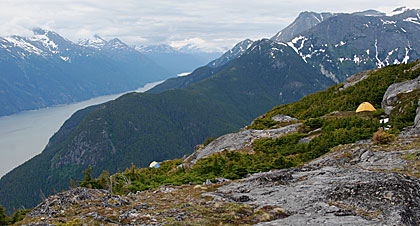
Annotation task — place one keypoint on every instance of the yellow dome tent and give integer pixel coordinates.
(365, 106)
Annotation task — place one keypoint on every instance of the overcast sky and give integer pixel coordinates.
(210, 25)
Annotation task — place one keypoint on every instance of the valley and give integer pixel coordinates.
(37, 126)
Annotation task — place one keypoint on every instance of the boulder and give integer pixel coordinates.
(238, 141)
(391, 95)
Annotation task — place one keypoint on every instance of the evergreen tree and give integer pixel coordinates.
(4, 219)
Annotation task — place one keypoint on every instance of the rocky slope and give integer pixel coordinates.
(355, 184)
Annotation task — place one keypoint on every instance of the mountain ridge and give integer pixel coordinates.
(177, 60)
(47, 70)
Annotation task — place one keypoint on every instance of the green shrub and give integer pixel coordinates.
(4, 219)
(382, 137)
(208, 141)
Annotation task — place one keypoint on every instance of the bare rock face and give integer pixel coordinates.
(417, 119)
(240, 140)
(55, 205)
(354, 185)
(354, 79)
(390, 98)
(283, 118)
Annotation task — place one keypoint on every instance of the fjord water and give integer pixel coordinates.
(25, 134)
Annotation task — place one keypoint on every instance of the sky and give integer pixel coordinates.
(214, 25)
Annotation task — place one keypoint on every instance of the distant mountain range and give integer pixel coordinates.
(47, 69)
(177, 61)
(221, 97)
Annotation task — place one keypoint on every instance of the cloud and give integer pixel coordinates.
(211, 25)
(190, 41)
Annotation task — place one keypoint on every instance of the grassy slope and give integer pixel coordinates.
(371, 90)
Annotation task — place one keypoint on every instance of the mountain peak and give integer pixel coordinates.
(96, 42)
(96, 36)
(369, 12)
(117, 43)
(39, 31)
(400, 9)
(46, 33)
(305, 21)
(238, 50)
(162, 48)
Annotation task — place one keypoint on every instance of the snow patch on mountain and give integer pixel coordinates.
(406, 58)
(45, 40)
(388, 21)
(356, 59)
(412, 20)
(96, 42)
(340, 44)
(294, 42)
(23, 44)
(67, 59)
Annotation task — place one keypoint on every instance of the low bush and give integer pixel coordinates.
(382, 137)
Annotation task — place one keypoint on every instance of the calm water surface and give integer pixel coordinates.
(24, 135)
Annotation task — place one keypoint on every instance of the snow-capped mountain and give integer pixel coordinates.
(95, 42)
(177, 60)
(348, 43)
(47, 69)
(46, 44)
(342, 44)
(231, 54)
(305, 21)
(162, 48)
